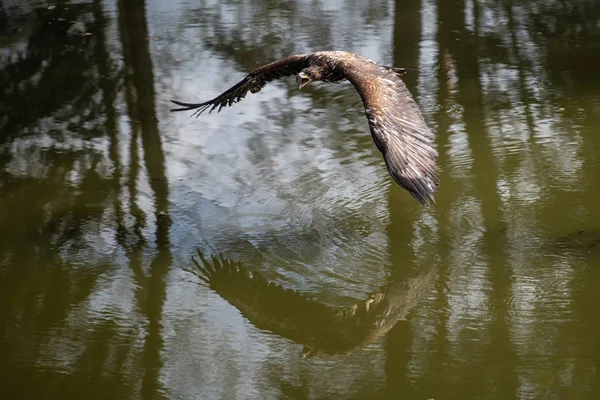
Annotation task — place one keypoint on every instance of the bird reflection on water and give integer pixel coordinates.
(322, 329)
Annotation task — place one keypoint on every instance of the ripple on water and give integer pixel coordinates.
(331, 237)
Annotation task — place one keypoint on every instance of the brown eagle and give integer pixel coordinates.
(396, 123)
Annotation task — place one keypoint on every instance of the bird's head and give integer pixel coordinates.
(306, 76)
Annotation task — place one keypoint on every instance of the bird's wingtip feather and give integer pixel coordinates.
(187, 106)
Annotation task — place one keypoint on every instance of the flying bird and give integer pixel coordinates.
(394, 118)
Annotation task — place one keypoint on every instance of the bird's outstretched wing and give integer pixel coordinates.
(253, 82)
(397, 127)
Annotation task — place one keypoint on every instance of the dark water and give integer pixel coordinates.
(334, 282)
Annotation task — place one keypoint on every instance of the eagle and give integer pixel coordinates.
(395, 121)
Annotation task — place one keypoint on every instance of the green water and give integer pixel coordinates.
(334, 282)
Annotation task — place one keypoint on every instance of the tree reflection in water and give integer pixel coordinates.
(68, 201)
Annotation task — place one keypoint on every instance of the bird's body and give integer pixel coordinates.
(395, 121)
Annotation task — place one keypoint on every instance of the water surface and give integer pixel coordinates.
(333, 282)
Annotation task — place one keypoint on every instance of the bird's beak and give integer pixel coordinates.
(302, 80)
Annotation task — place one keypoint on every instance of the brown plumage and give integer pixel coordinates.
(395, 121)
